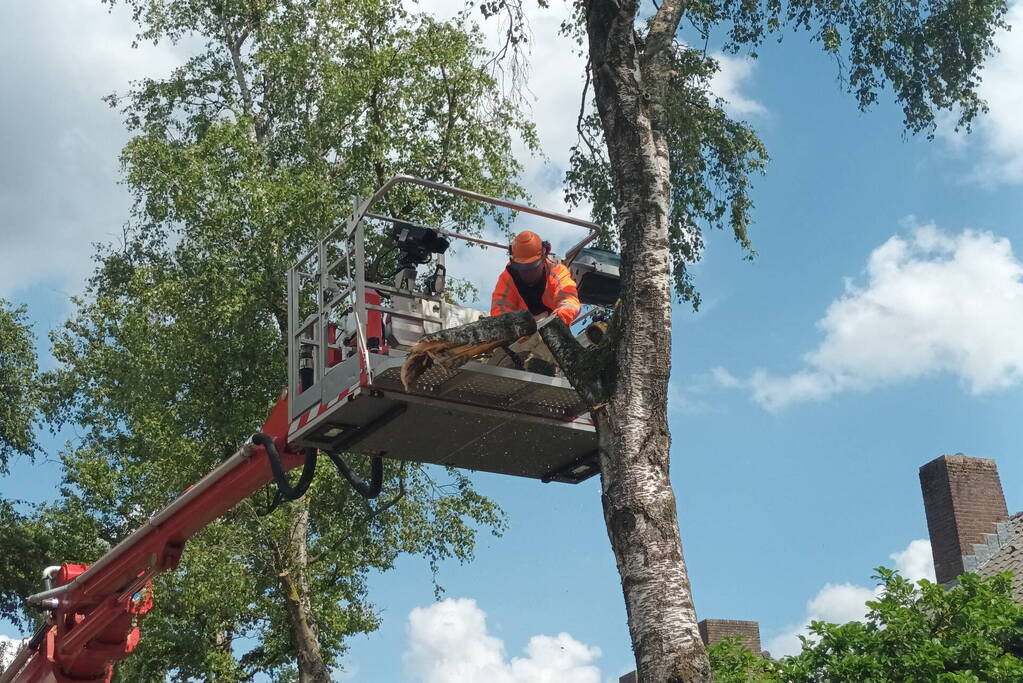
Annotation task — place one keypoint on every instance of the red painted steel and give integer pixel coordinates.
(96, 620)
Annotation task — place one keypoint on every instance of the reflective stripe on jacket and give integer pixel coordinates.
(560, 295)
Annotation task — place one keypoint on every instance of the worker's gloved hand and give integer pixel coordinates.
(566, 314)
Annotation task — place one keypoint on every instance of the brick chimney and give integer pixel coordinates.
(714, 631)
(963, 500)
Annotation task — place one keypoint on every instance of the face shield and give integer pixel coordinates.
(530, 273)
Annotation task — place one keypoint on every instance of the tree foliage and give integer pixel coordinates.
(32, 536)
(240, 160)
(18, 384)
(673, 163)
(712, 160)
(929, 55)
(919, 633)
(19, 387)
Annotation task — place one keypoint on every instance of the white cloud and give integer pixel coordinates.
(933, 303)
(916, 561)
(725, 378)
(449, 641)
(835, 603)
(844, 602)
(59, 169)
(689, 396)
(727, 83)
(998, 135)
(8, 650)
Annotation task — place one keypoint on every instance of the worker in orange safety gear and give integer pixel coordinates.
(533, 281)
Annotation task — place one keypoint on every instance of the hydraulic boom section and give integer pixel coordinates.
(95, 611)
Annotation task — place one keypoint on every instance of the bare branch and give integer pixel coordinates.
(517, 34)
(580, 126)
(582, 103)
(449, 128)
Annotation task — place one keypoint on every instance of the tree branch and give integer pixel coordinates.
(587, 369)
(661, 34)
(580, 127)
(455, 347)
(234, 48)
(449, 129)
(335, 575)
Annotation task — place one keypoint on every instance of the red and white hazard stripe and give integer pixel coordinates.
(318, 409)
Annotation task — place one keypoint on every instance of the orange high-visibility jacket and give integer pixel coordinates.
(558, 294)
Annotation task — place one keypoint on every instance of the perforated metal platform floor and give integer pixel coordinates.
(476, 417)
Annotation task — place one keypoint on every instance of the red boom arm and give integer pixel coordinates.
(96, 610)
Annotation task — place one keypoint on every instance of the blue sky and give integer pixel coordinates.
(880, 326)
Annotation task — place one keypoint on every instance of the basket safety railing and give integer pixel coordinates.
(329, 282)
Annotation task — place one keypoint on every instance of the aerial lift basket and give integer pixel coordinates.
(348, 337)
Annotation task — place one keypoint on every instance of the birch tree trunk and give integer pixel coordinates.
(639, 504)
(294, 586)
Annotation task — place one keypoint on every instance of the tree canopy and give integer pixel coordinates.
(239, 160)
(929, 56)
(18, 384)
(673, 164)
(921, 633)
(19, 387)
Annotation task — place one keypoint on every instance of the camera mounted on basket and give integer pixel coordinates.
(416, 244)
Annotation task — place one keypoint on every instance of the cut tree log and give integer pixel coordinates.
(589, 370)
(455, 347)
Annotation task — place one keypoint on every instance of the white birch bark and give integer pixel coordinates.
(639, 504)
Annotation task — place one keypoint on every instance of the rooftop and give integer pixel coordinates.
(1003, 552)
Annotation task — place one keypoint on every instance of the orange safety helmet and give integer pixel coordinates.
(527, 248)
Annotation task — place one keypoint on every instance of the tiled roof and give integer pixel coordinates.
(1003, 552)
